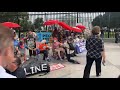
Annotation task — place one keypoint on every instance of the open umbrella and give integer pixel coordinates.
(11, 24)
(75, 29)
(51, 22)
(65, 26)
(81, 27)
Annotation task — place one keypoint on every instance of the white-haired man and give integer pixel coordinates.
(6, 51)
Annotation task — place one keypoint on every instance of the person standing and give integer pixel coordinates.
(55, 32)
(116, 36)
(31, 44)
(95, 52)
(6, 50)
(102, 33)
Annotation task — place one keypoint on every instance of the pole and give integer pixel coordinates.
(18, 23)
(77, 18)
(109, 26)
(45, 20)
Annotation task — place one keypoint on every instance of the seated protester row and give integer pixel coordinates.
(44, 48)
(15, 69)
(58, 47)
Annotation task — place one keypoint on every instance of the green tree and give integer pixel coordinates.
(26, 25)
(21, 18)
(13, 16)
(109, 19)
(98, 21)
(38, 23)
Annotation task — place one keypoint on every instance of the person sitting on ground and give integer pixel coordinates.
(57, 47)
(15, 69)
(44, 49)
(51, 41)
(76, 40)
(72, 44)
(69, 52)
(81, 37)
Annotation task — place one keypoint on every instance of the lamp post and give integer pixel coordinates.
(46, 20)
(109, 25)
(18, 23)
(77, 17)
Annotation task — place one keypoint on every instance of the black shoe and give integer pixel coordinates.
(72, 55)
(48, 60)
(98, 75)
(75, 55)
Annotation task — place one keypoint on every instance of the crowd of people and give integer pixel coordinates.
(57, 44)
(62, 43)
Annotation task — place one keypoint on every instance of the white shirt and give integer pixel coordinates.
(4, 74)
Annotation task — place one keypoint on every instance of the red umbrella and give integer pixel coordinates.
(51, 22)
(75, 29)
(11, 24)
(65, 26)
(81, 27)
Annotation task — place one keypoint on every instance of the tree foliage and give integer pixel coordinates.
(109, 19)
(21, 18)
(38, 23)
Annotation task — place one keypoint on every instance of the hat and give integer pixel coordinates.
(55, 39)
(43, 41)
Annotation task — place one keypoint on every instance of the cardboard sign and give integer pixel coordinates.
(56, 67)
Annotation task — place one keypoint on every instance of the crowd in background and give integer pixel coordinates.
(57, 43)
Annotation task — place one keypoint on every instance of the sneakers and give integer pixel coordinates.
(98, 75)
(27, 58)
(61, 59)
(48, 59)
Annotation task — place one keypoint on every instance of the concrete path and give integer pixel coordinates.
(111, 70)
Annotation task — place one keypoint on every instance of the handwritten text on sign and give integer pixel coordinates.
(56, 66)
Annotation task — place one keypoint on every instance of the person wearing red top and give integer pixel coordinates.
(44, 49)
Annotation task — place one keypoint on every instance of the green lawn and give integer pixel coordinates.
(111, 35)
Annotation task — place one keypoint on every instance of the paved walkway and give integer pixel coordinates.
(111, 70)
